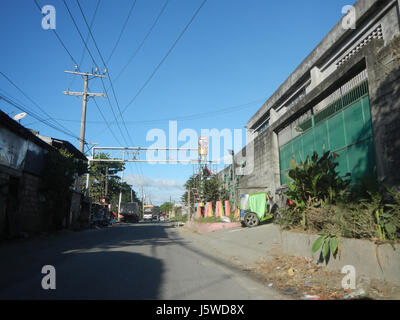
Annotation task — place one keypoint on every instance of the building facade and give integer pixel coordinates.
(22, 159)
(344, 97)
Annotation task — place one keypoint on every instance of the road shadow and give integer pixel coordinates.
(94, 275)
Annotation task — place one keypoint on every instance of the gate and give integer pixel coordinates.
(343, 127)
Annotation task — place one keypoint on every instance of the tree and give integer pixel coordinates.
(105, 182)
(212, 189)
(166, 207)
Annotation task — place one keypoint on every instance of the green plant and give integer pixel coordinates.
(329, 245)
(179, 218)
(386, 214)
(209, 220)
(392, 216)
(287, 218)
(315, 182)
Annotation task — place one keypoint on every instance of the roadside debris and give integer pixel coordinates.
(290, 291)
(357, 293)
(302, 279)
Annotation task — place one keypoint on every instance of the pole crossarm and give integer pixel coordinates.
(86, 74)
(89, 94)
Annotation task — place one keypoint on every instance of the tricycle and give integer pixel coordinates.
(260, 207)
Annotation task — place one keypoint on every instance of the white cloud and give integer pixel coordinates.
(158, 190)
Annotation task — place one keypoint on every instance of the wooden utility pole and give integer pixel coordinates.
(142, 202)
(84, 96)
(106, 182)
(122, 180)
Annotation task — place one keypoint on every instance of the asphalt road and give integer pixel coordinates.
(125, 261)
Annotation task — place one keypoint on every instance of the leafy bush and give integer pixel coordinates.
(287, 218)
(316, 181)
(322, 202)
(179, 218)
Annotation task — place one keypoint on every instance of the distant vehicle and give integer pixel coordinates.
(148, 213)
(162, 219)
(99, 216)
(130, 212)
(155, 217)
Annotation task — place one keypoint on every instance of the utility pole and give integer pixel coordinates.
(142, 203)
(189, 207)
(106, 182)
(234, 180)
(84, 96)
(122, 180)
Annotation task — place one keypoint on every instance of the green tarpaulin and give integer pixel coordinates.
(257, 202)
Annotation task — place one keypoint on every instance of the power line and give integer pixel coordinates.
(195, 116)
(132, 57)
(105, 65)
(94, 61)
(166, 55)
(34, 115)
(31, 100)
(87, 39)
(76, 64)
(122, 30)
(58, 37)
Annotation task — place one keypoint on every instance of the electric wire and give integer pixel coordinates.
(133, 56)
(166, 55)
(10, 101)
(122, 30)
(105, 65)
(95, 63)
(87, 40)
(31, 100)
(75, 63)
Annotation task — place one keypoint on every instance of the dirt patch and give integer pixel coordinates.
(300, 278)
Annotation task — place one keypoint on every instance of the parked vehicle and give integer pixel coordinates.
(260, 207)
(130, 212)
(100, 217)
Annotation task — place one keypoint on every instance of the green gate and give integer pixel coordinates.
(343, 127)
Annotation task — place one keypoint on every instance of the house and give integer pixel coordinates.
(22, 160)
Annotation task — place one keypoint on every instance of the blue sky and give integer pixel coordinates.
(235, 53)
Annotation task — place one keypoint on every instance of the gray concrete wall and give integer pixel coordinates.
(381, 262)
(383, 64)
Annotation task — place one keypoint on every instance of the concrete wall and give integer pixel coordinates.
(31, 217)
(383, 64)
(381, 262)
